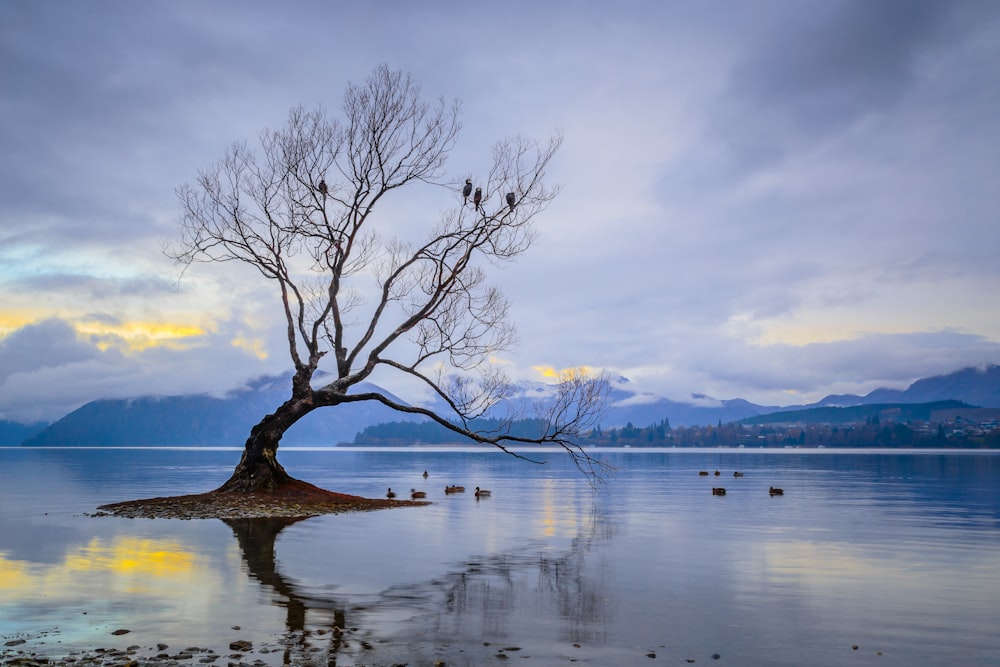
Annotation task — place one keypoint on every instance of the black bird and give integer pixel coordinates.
(510, 201)
(466, 191)
(718, 491)
(477, 198)
(390, 493)
(323, 188)
(776, 492)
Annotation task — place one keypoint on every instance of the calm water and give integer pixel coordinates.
(895, 553)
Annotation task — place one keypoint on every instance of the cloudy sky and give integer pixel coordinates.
(774, 200)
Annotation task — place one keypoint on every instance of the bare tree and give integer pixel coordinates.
(300, 210)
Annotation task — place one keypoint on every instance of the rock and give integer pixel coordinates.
(162, 647)
(14, 642)
(716, 656)
(241, 645)
(121, 631)
(651, 654)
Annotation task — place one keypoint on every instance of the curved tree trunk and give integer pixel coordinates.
(258, 469)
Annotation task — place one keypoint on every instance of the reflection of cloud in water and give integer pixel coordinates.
(833, 568)
(146, 585)
(842, 580)
(126, 564)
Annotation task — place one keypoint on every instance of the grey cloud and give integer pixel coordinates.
(813, 70)
(838, 60)
(47, 344)
(727, 368)
(94, 287)
(865, 363)
(714, 165)
(46, 371)
(98, 94)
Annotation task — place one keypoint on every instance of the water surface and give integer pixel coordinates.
(895, 553)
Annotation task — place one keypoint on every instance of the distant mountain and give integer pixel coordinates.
(203, 420)
(13, 433)
(975, 386)
(854, 414)
(206, 420)
(702, 411)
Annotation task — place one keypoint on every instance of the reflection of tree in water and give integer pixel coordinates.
(256, 538)
(500, 597)
(487, 597)
(507, 596)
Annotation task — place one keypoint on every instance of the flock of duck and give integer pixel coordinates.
(721, 491)
(484, 493)
(448, 490)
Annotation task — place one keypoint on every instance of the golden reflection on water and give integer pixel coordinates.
(126, 564)
(559, 516)
(830, 566)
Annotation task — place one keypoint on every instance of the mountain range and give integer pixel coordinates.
(202, 420)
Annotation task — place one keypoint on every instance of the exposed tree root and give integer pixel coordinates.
(294, 499)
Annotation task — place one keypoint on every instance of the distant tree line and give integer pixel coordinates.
(403, 433)
(871, 433)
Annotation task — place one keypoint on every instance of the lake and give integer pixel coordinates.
(869, 558)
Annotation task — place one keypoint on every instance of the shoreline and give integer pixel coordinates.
(292, 648)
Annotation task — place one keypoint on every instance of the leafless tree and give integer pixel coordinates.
(301, 211)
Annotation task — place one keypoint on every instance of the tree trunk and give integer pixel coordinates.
(258, 469)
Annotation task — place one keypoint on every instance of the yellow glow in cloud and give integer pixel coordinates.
(14, 320)
(254, 346)
(139, 336)
(551, 373)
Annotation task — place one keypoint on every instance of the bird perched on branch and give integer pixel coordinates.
(323, 188)
(466, 191)
(477, 198)
(510, 201)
